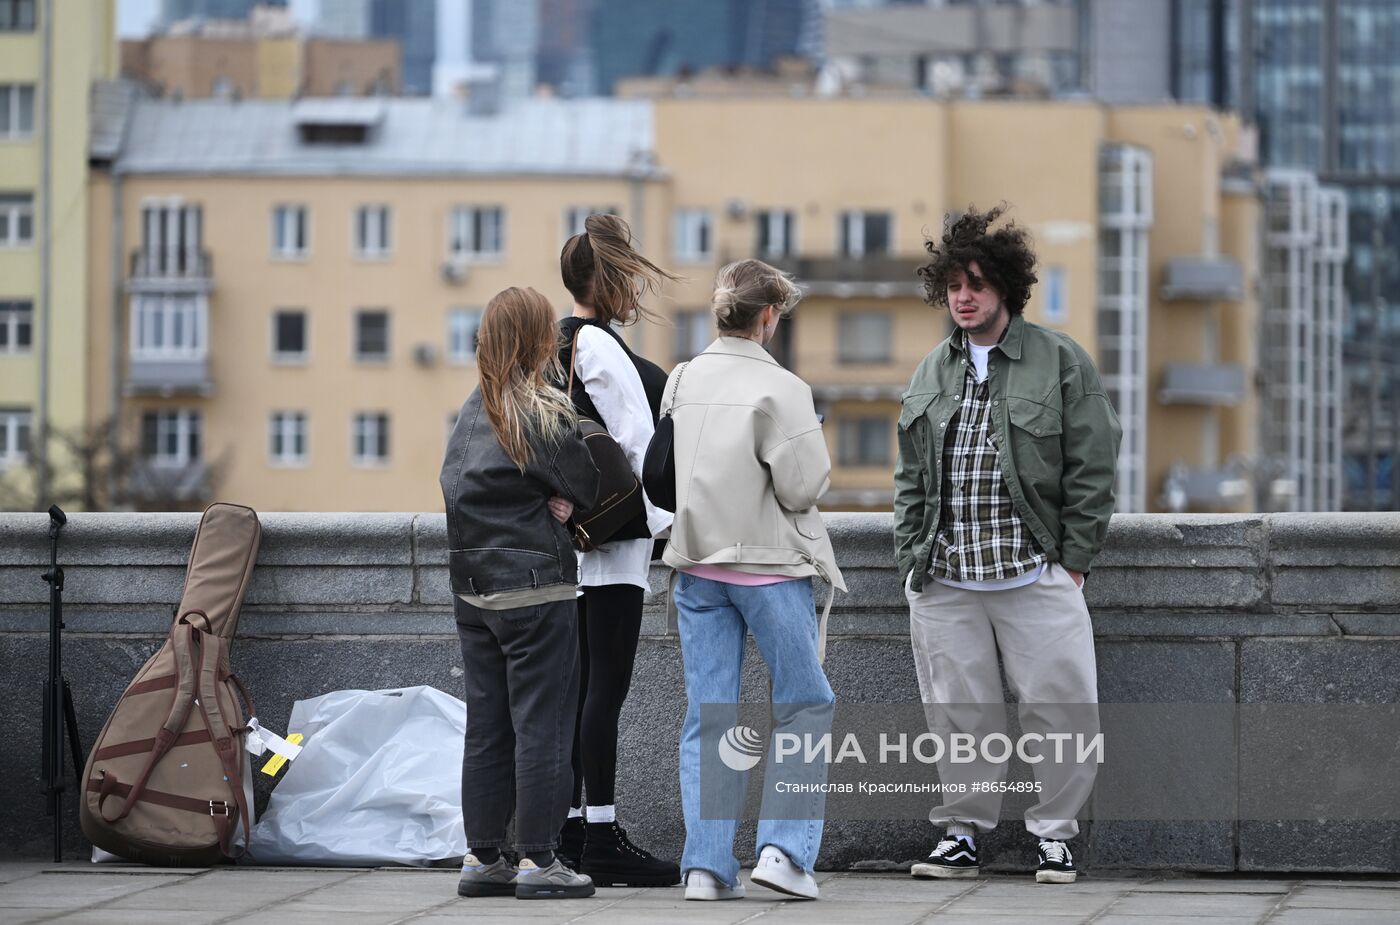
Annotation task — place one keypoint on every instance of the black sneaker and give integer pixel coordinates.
(951, 859)
(1056, 863)
(612, 860)
(571, 838)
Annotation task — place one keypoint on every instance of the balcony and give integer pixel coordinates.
(169, 483)
(1187, 488)
(878, 276)
(1202, 279)
(149, 374)
(1203, 384)
(182, 271)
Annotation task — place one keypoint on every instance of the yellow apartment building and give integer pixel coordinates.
(50, 54)
(300, 281)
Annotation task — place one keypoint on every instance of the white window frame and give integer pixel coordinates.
(14, 129)
(476, 233)
(575, 216)
(850, 228)
(781, 227)
(462, 326)
(169, 326)
(844, 342)
(689, 323)
(694, 231)
(14, 207)
(365, 425)
(163, 239)
(284, 430)
(286, 357)
(187, 423)
(374, 358)
(849, 440)
(12, 421)
(289, 219)
(11, 311)
(378, 222)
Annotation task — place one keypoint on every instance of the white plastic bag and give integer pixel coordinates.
(378, 781)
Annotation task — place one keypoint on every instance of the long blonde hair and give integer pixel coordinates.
(517, 359)
(601, 269)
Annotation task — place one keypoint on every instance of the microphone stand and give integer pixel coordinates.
(58, 696)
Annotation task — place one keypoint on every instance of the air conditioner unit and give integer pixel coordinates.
(455, 271)
(425, 354)
(737, 208)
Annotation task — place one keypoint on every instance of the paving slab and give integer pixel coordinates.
(1215, 885)
(1319, 897)
(1207, 905)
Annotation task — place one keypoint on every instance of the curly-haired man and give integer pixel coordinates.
(1004, 488)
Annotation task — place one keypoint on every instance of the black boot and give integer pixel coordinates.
(612, 860)
(571, 837)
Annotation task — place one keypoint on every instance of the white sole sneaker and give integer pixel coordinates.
(703, 886)
(1056, 876)
(939, 872)
(777, 872)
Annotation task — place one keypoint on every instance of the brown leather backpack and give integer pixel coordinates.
(165, 781)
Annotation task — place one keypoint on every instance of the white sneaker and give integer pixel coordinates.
(777, 872)
(705, 886)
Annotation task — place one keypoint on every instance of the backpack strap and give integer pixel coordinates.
(183, 644)
(212, 666)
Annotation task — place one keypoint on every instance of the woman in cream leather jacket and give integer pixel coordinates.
(751, 463)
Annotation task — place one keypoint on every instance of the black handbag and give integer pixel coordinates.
(659, 466)
(619, 493)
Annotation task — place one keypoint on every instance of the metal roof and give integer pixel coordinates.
(111, 102)
(410, 136)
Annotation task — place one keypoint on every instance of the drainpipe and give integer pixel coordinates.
(41, 445)
(114, 349)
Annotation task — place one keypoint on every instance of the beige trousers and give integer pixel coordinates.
(1046, 643)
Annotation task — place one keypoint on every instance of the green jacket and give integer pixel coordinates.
(1059, 461)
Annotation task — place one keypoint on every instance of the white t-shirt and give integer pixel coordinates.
(615, 388)
(979, 359)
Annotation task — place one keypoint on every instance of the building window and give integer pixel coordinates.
(370, 446)
(864, 441)
(168, 327)
(171, 237)
(286, 438)
(865, 337)
(14, 436)
(462, 325)
(289, 232)
(1125, 221)
(694, 238)
(1055, 308)
(863, 234)
(16, 15)
(692, 333)
(171, 438)
(774, 230)
(16, 110)
(372, 233)
(476, 232)
(289, 336)
(372, 336)
(575, 216)
(16, 327)
(16, 219)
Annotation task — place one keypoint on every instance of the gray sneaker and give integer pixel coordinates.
(478, 879)
(553, 882)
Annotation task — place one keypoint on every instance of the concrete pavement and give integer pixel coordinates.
(75, 892)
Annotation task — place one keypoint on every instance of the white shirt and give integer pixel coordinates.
(616, 391)
(979, 359)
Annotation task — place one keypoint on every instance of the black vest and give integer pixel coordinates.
(653, 377)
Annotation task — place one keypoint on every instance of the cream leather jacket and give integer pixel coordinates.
(751, 463)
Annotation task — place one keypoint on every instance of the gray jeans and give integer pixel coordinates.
(1046, 643)
(522, 693)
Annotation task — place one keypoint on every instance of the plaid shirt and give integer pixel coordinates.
(980, 535)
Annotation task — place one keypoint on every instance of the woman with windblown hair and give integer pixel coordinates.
(622, 391)
(515, 468)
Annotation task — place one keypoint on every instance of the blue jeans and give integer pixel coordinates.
(714, 619)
